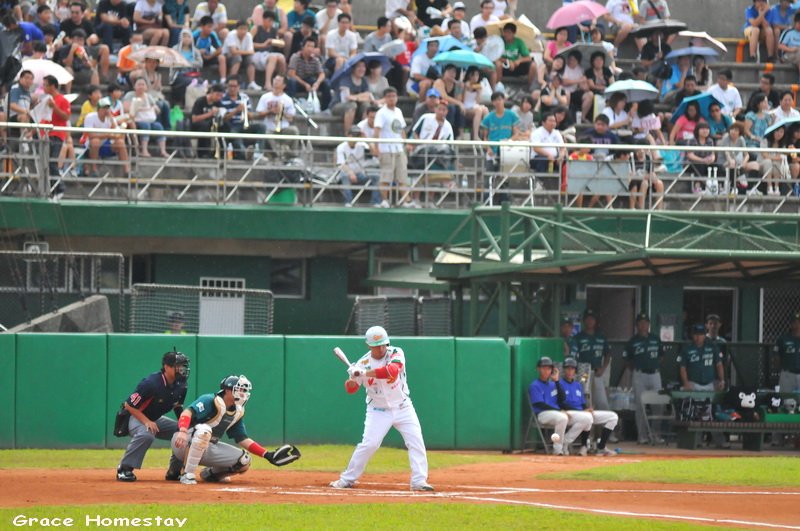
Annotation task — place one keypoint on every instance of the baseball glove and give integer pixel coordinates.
(284, 455)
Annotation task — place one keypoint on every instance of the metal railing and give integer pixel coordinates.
(310, 176)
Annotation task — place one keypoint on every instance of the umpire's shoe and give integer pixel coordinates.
(173, 475)
(125, 474)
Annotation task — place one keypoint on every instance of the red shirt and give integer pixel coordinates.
(60, 103)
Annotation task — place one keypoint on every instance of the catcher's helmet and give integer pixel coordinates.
(376, 336)
(178, 360)
(239, 385)
(570, 362)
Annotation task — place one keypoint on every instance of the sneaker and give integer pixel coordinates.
(613, 438)
(253, 86)
(384, 204)
(754, 192)
(606, 452)
(188, 479)
(584, 451)
(125, 474)
(340, 484)
(208, 475)
(558, 449)
(422, 487)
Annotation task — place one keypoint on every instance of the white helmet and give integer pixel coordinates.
(376, 336)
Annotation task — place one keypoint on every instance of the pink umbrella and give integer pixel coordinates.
(576, 12)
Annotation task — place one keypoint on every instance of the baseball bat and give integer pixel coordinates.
(339, 353)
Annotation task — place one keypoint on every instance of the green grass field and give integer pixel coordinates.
(746, 471)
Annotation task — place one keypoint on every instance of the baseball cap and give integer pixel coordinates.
(544, 361)
(571, 362)
(172, 316)
(78, 33)
(698, 329)
(459, 5)
(713, 317)
(354, 131)
(105, 102)
(588, 312)
(642, 317)
(566, 320)
(432, 92)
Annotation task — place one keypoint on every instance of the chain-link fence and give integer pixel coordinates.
(402, 316)
(778, 305)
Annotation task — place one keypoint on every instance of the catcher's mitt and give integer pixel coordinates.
(284, 455)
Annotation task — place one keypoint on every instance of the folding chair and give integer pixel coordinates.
(650, 403)
(543, 433)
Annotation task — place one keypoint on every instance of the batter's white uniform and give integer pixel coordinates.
(388, 404)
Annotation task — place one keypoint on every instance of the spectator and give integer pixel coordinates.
(351, 160)
(93, 95)
(176, 18)
(786, 108)
(186, 48)
(126, 67)
(399, 8)
(104, 145)
(737, 164)
(702, 72)
(702, 163)
(236, 104)
(112, 22)
(757, 121)
(367, 125)
(652, 10)
(351, 96)
(500, 124)
(766, 86)
(390, 123)
(547, 159)
(655, 49)
(306, 32)
(700, 363)
(646, 124)
(516, 59)
(718, 123)
(379, 37)
(62, 10)
(474, 112)
(598, 75)
(325, 20)
(433, 126)
(432, 12)
(98, 52)
(581, 99)
(305, 70)
(543, 395)
(148, 19)
(597, 37)
(684, 127)
(757, 28)
(592, 347)
(45, 17)
(208, 42)
(268, 57)
(787, 348)
(281, 23)
(428, 105)
(552, 95)
(681, 72)
(76, 59)
(689, 89)
(20, 102)
(781, 17)
(143, 110)
(298, 14)
(204, 112)
(458, 14)
(484, 17)
(340, 44)
(152, 77)
(726, 93)
(452, 91)
(117, 109)
(238, 51)
(526, 119)
(219, 16)
(618, 118)
(376, 81)
(277, 111)
(771, 165)
(601, 136)
(423, 70)
(620, 20)
(60, 115)
(789, 43)
(553, 47)
(454, 30)
(643, 354)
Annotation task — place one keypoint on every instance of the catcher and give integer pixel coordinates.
(205, 420)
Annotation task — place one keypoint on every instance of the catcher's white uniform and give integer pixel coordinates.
(388, 404)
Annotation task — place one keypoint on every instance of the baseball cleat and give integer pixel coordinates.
(208, 475)
(124, 474)
(188, 479)
(422, 487)
(583, 451)
(606, 452)
(340, 484)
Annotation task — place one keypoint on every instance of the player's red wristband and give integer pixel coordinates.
(183, 422)
(257, 449)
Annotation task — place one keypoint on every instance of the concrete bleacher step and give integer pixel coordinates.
(742, 72)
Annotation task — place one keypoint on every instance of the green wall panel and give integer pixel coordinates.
(187, 269)
(131, 357)
(483, 390)
(61, 390)
(261, 359)
(8, 371)
(525, 352)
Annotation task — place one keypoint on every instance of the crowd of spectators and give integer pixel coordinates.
(260, 73)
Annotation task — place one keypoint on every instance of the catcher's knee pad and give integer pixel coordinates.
(242, 464)
(200, 441)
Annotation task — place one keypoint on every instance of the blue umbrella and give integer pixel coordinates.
(634, 90)
(703, 100)
(463, 59)
(782, 123)
(347, 68)
(691, 51)
(446, 43)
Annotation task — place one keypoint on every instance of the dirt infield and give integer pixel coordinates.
(513, 483)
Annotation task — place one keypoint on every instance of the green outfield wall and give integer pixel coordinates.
(62, 390)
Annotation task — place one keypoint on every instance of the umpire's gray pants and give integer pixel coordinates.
(141, 439)
(642, 382)
(599, 397)
(789, 382)
(220, 457)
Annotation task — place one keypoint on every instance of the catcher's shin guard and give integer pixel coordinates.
(198, 446)
(241, 466)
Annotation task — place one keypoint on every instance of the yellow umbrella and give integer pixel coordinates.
(525, 30)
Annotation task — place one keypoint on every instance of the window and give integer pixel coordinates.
(288, 278)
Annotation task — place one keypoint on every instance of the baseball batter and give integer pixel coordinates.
(382, 373)
(572, 401)
(205, 420)
(643, 354)
(592, 347)
(787, 347)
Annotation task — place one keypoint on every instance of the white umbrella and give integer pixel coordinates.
(41, 68)
(393, 48)
(634, 90)
(166, 57)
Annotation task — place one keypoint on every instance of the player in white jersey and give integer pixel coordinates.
(382, 373)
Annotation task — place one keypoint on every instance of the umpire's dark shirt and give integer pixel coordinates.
(154, 396)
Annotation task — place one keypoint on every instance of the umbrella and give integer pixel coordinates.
(576, 12)
(526, 31)
(393, 48)
(586, 49)
(446, 43)
(634, 90)
(704, 100)
(353, 61)
(463, 59)
(708, 53)
(167, 57)
(782, 123)
(41, 68)
(667, 27)
(697, 38)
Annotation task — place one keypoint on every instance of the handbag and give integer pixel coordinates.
(485, 95)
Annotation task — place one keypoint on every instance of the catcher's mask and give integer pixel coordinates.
(240, 386)
(179, 361)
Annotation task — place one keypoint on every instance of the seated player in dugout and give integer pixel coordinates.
(206, 420)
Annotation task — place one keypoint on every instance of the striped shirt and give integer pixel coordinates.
(305, 68)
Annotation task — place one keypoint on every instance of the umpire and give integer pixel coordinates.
(155, 395)
(643, 354)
